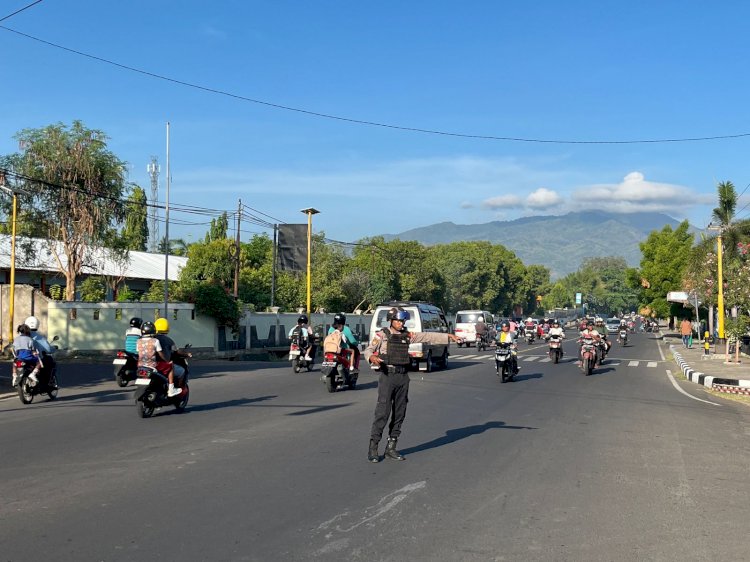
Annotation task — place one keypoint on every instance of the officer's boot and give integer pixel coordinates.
(372, 454)
(391, 452)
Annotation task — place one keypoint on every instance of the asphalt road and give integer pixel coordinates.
(266, 465)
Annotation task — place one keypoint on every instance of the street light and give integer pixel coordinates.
(12, 296)
(720, 303)
(309, 212)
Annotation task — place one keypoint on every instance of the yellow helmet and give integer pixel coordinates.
(162, 326)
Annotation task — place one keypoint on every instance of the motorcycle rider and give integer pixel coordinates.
(305, 336)
(389, 352)
(168, 349)
(132, 334)
(601, 327)
(591, 333)
(480, 328)
(42, 345)
(25, 350)
(556, 330)
(507, 336)
(150, 353)
(349, 342)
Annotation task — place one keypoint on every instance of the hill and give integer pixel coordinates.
(558, 242)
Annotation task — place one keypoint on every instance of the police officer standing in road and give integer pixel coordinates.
(389, 351)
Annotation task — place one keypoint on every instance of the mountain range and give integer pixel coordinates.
(560, 243)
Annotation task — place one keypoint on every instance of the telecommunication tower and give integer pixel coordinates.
(153, 170)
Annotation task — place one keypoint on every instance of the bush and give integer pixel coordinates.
(125, 294)
(93, 290)
(57, 292)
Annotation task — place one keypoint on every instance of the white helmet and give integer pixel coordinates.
(32, 322)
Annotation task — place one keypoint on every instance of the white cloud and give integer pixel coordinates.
(466, 205)
(503, 202)
(635, 193)
(543, 198)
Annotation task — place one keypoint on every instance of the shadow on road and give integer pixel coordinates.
(520, 378)
(373, 384)
(453, 435)
(602, 370)
(227, 404)
(317, 409)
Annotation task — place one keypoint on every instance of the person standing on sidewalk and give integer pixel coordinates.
(686, 330)
(389, 352)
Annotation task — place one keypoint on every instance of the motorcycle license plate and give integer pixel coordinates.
(119, 361)
(328, 364)
(294, 353)
(501, 356)
(142, 382)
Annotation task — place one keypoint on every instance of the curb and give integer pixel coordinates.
(733, 386)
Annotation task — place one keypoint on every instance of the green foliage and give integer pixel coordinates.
(92, 289)
(77, 198)
(218, 228)
(155, 292)
(665, 257)
(125, 294)
(208, 261)
(177, 246)
(135, 230)
(57, 292)
(734, 328)
(212, 300)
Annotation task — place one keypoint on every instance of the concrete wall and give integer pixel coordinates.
(101, 326)
(269, 329)
(27, 301)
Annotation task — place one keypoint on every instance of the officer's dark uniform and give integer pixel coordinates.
(393, 385)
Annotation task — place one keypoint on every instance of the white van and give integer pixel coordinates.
(424, 317)
(465, 325)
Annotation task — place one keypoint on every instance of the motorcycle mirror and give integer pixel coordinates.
(56, 338)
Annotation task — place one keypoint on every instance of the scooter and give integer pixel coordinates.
(530, 335)
(298, 354)
(46, 378)
(623, 339)
(336, 371)
(588, 356)
(555, 348)
(126, 367)
(152, 386)
(504, 362)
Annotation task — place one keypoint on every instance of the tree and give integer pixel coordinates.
(177, 246)
(93, 289)
(135, 230)
(665, 258)
(75, 185)
(218, 228)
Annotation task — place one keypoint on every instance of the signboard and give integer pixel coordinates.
(677, 296)
(579, 298)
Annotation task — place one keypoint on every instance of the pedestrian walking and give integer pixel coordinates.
(389, 352)
(686, 330)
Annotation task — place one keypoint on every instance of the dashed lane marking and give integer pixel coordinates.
(530, 358)
(633, 363)
(651, 364)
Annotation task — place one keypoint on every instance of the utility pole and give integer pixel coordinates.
(237, 253)
(153, 170)
(166, 235)
(273, 265)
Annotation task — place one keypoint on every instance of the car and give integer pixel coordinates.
(424, 317)
(466, 321)
(613, 325)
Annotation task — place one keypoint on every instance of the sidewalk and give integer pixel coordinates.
(711, 371)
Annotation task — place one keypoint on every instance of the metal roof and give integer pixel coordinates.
(140, 265)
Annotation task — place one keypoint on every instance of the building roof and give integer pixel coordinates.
(140, 265)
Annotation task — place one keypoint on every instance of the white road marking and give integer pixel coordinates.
(531, 358)
(468, 356)
(679, 389)
(633, 363)
(545, 360)
(651, 364)
(613, 364)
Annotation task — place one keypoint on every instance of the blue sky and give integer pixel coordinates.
(554, 70)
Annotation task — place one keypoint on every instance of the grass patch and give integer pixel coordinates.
(742, 399)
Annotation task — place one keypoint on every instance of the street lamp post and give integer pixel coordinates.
(720, 300)
(309, 212)
(12, 295)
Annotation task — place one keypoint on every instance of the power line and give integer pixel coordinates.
(20, 10)
(365, 122)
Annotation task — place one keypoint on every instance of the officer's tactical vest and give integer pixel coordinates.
(398, 348)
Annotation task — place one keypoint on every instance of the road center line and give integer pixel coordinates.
(677, 386)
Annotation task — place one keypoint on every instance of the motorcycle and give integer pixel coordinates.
(298, 354)
(530, 335)
(623, 339)
(126, 367)
(152, 386)
(504, 362)
(336, 371)
(46, 378)
(588, 356)
(555, 348)
(482, 342)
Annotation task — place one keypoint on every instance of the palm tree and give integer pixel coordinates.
(733, 231)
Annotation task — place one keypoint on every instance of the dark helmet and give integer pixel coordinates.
(302, 319)
(505, 325)
(339, 318)
(136, 322)
(148, 329)
(397, 313)
(555, 322)
(589, 324)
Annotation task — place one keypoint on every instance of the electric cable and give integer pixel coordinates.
(366, 122)
(20, 10)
